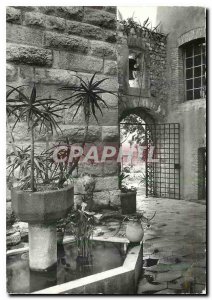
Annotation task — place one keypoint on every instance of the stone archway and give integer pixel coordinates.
(162, 142)
(146, 108)
(142, 112)
(133, 133)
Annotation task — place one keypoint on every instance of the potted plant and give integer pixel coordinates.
(38, 198)
(32, 201)
(86, 94)
(127, 196)
(134, 229)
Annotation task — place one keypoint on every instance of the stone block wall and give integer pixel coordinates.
(153, 96)
(48, 46)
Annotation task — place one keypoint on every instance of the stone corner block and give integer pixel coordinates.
(13, 15)
(115, 198)
(110, 134)
(106, 183)
(66, 42)
(29, 55)
(110, 67)
(100, 18)
(101, 198)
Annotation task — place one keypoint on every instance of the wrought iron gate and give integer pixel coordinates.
(163, 176)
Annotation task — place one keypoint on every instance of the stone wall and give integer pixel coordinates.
(152, 97)
(48, 46)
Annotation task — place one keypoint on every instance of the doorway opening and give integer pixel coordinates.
(202, 173)
(132, 135)
(157, 172)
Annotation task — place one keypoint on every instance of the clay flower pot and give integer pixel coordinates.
(60, 236)
(134, 231)
(128, 202)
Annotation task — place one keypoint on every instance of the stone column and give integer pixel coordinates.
(42, 246)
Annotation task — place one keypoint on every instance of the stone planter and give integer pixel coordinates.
(41, 210)
(128, 202)
(134, 231)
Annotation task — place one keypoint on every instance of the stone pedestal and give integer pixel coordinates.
(42, 210)
(42, 246)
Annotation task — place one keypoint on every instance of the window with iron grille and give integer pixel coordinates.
(195, 70)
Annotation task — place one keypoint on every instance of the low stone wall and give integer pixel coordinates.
(118, 281)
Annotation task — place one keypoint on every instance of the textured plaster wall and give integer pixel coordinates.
(48, 45)
(184, 24)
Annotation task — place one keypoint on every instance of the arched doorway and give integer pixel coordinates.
(158, 176)
(133, 138)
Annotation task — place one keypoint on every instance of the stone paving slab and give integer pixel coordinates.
(166, 292)
(167, 276)
(176, 238)
(146, 287)
(177, 284)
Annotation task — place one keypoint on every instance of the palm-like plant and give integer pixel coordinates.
(87, 95)
(38, 113)
(22, 161)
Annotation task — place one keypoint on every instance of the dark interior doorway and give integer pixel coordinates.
(202, 172)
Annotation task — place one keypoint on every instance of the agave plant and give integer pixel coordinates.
(39, 113)
(87, 95)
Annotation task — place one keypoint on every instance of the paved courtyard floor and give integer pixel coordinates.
(174, 247)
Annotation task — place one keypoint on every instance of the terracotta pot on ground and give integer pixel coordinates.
(60, 236)
(128, 202)
(42, 210)
(134, 231)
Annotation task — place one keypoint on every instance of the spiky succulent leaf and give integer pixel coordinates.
(86, 95)
(36, 111)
